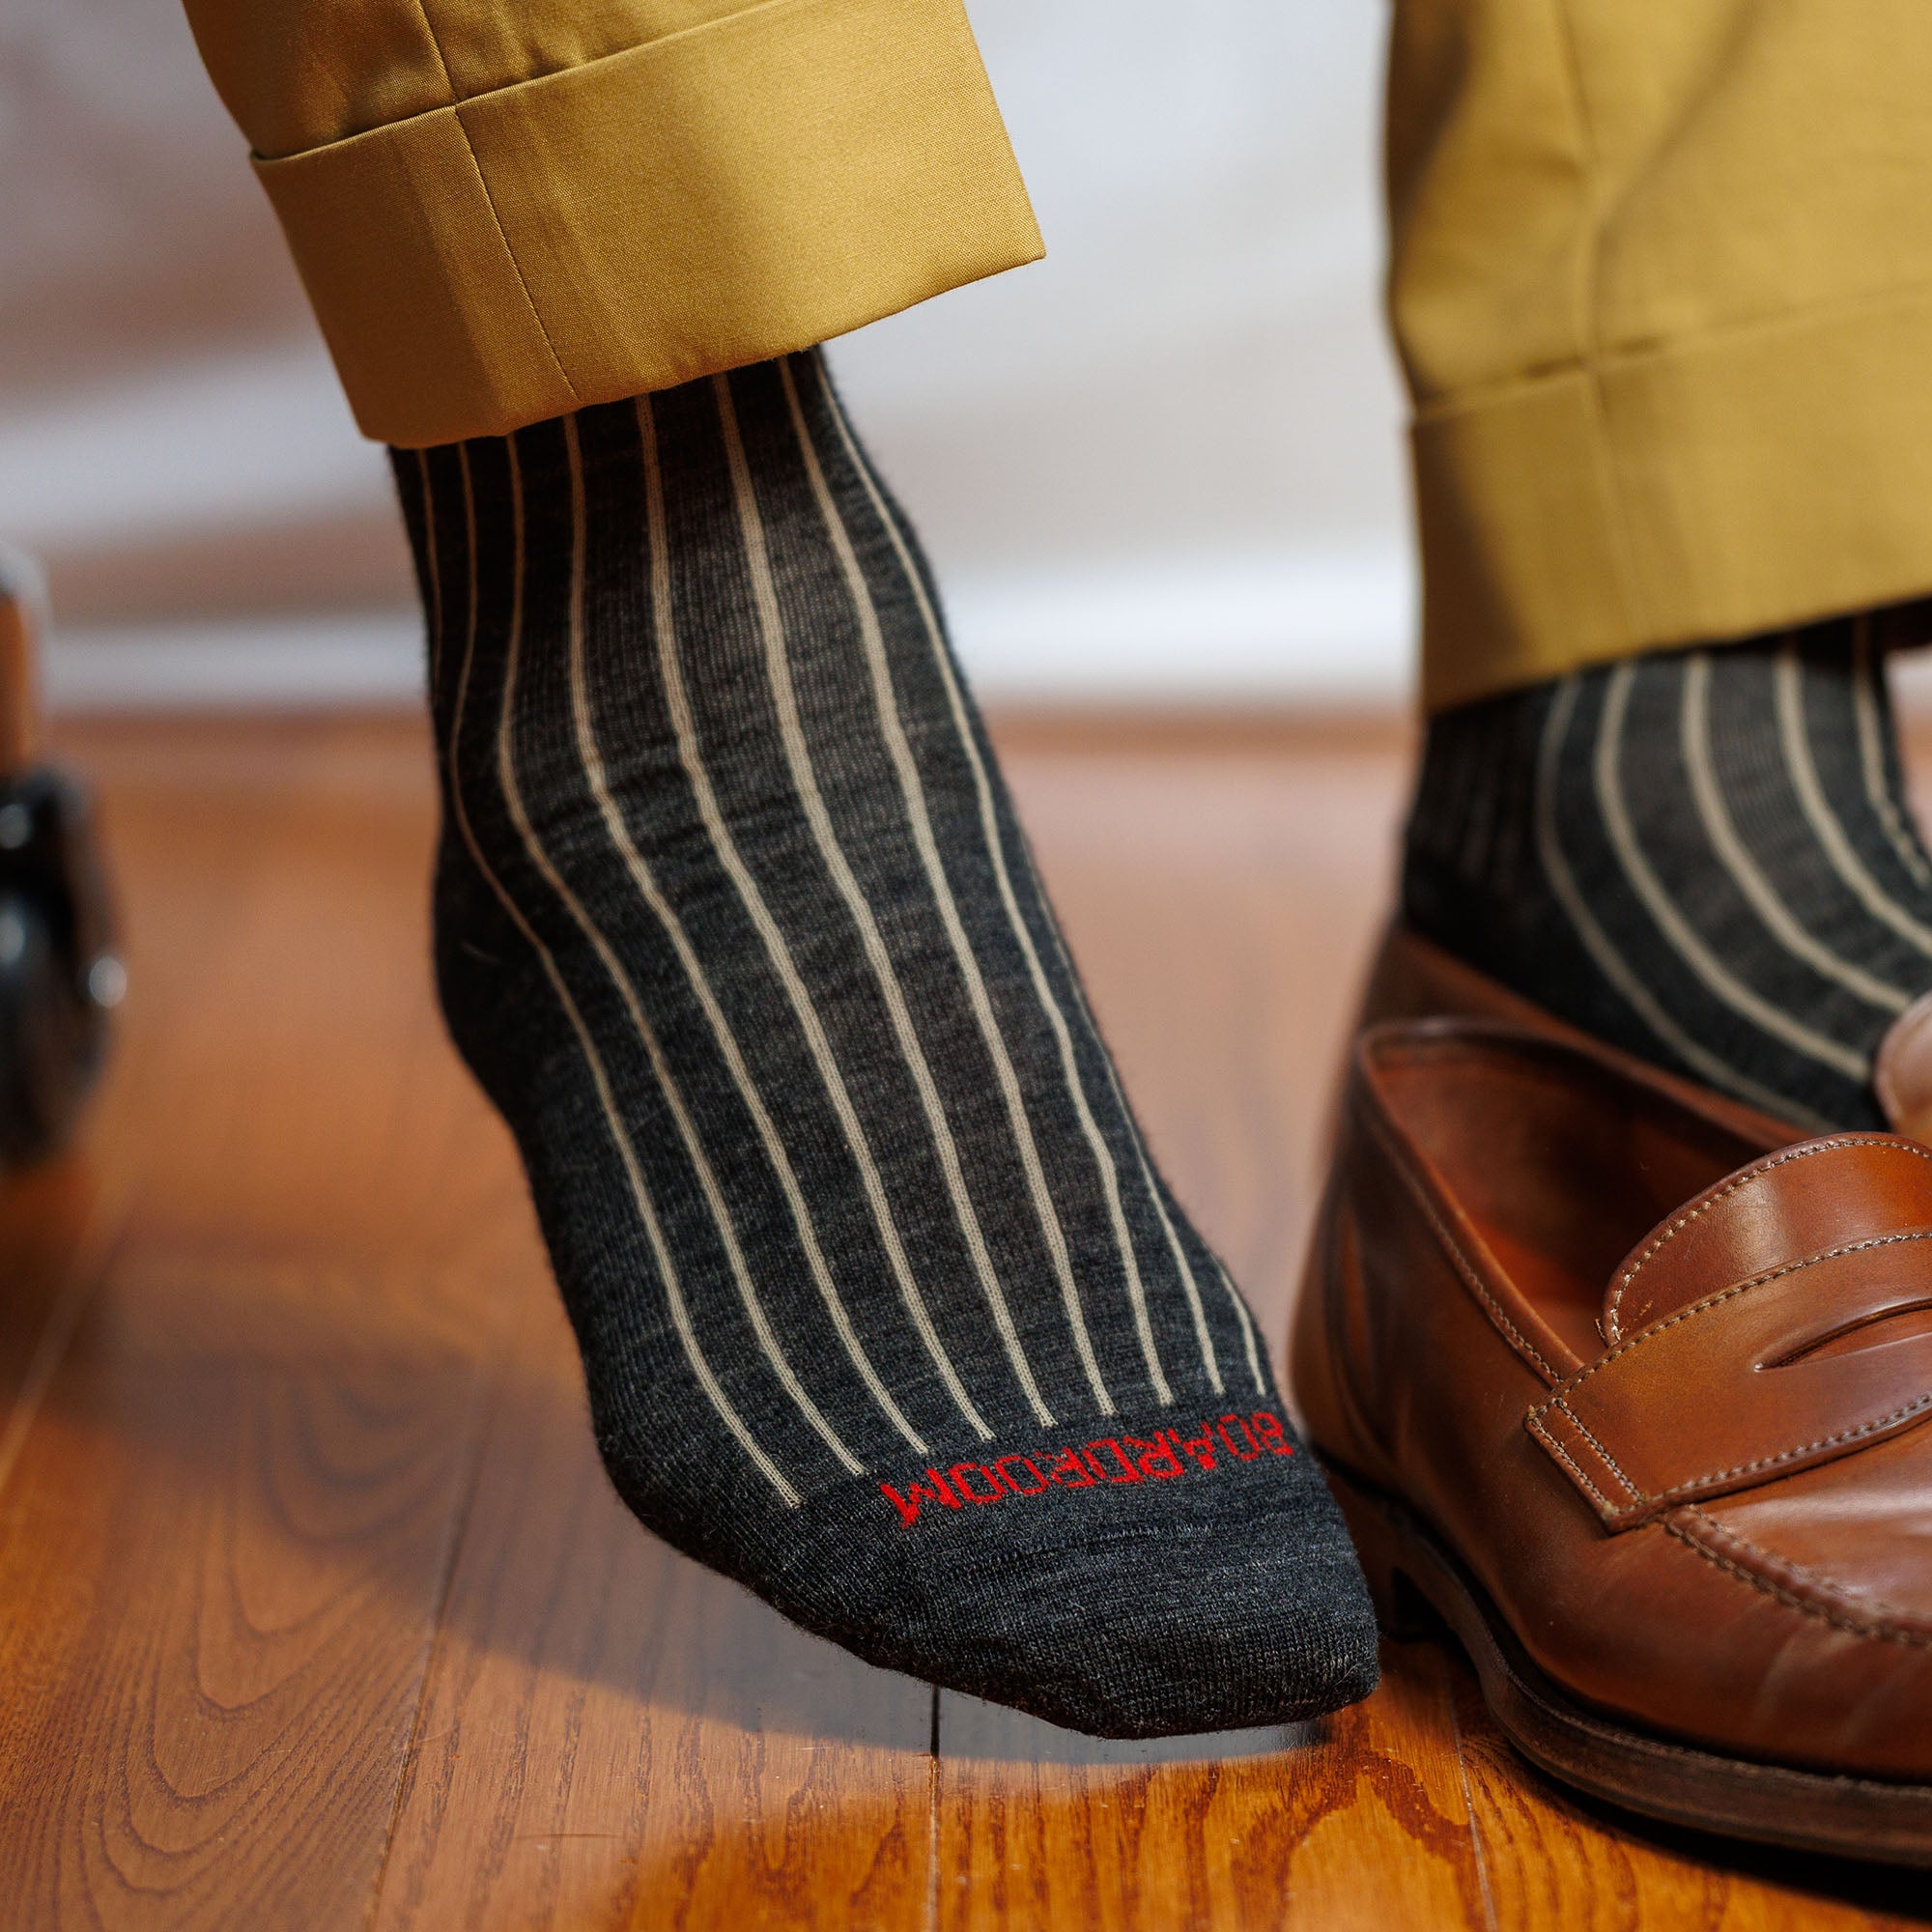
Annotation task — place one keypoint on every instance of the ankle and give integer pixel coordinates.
(1704, 855)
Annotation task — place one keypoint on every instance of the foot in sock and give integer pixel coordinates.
(1703, 856)
(884, 1309)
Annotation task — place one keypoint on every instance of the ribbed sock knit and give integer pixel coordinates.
(884, 1308)
(1704, 855)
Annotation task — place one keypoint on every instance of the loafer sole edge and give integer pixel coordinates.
(1661, 1777)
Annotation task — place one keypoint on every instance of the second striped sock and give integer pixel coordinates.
(1704, 855)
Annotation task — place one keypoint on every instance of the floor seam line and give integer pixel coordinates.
(472, 1476)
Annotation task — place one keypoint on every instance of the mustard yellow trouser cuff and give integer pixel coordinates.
(734, 191)
(1702, 491)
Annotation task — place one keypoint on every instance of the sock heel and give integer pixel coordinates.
(1402, 1610)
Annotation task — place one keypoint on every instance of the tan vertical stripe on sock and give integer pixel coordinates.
(647, 887)
(912, 794)
(620, 977)
(798, 758)
(989, 831)
(1694, 738)
(1683, 938)
(1597, 941)
(600, 1078)
(691, 758)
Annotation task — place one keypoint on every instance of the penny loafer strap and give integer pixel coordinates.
(1798, 1365)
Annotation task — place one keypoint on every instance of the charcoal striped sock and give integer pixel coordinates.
(884, 1308)
(1704, 855)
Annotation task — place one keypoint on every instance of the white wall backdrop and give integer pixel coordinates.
(1163, 464)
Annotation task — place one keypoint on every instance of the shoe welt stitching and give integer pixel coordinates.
(1826, 1612)
(1751, 1172)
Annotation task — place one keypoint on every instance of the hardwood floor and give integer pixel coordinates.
(315, 1608)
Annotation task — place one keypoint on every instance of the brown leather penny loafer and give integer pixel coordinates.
(1635, 1397)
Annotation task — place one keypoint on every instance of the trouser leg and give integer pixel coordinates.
(1659, 284)
(503, 213)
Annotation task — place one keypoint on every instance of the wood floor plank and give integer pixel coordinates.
(1358, 1821)
(1555, 1863)
(227, 1545)
(315, 1605)
(613, 1736)
(227, 1535)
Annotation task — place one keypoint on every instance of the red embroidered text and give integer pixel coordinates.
(1222, 1444)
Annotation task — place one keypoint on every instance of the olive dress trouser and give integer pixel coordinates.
(1661, 270)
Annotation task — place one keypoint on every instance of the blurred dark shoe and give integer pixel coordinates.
(60, 977)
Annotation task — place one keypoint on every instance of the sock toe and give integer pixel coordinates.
(1128, 1611)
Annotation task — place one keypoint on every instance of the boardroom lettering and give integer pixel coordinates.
(1218, 1447)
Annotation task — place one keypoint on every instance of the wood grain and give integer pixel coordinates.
(613, 1736)
(315, 1607)
(1357, 1821)
(229, 1521)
